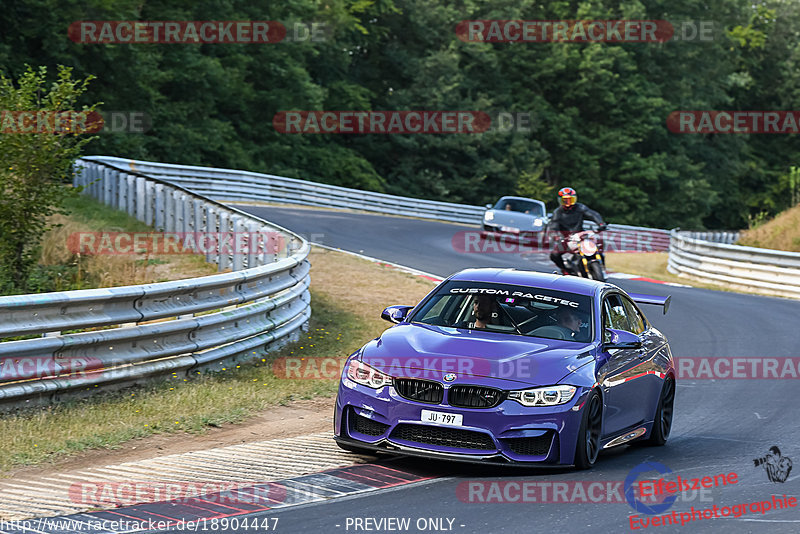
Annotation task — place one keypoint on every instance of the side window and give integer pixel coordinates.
(614, 314)
(638, 323)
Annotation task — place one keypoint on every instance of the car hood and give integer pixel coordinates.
(501, 360)
(515, 219)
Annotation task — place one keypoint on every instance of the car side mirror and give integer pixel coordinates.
(395, 314)
(621, 339)
(488, 206)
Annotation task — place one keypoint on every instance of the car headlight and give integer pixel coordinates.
(489, 216)
(537, 221)
(547, 396)
(366, 375)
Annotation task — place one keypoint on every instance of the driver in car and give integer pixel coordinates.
(569, 321)
(484, 310)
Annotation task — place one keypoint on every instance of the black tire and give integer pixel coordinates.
(596, 271)
(662, 423)
(588, 447)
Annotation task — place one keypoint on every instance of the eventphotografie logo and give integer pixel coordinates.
(776, 465)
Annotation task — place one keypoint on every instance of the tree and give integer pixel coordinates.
(42, 136)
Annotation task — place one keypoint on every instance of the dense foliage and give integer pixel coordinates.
(34, 165)
(598, 109)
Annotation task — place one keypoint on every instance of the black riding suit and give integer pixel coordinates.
(569, 221)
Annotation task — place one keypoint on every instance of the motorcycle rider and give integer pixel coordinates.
(568, 219)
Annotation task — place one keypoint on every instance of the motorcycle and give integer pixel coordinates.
(584, 256)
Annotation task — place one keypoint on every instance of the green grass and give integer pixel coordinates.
(84, 209)
(175, 405)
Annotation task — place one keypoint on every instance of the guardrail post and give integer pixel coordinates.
(238, 242)
(212, 254)
(169, 210)
(97, 180)
(187, 215)
(253, 245)
(107, 178)
(122, 192)
(224, 260)
(141, 199)
(177, 204)
(132, 197)
(198, 216)
(159, 195)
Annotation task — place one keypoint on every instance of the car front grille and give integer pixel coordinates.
(537, 446)
(368, 426)
(419, 390)
(443, 436)
(474, 396)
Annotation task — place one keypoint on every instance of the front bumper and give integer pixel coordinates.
(382, 420)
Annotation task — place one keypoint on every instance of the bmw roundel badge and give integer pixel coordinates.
(449, 377)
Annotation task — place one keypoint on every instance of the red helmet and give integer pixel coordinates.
(568, 197)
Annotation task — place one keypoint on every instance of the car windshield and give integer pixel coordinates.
(510, 309)
(522, 206)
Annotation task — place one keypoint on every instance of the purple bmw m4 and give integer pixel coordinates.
(508, 366)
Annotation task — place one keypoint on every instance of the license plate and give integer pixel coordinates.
(442, 418)
(509, 229)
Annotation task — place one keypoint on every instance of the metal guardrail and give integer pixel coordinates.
(233, 185)
(162, 328)
(764, 271)
(243, 186)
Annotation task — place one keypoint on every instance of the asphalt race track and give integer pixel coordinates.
(720, 425)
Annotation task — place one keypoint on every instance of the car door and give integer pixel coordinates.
(623, 387)
(650, 373)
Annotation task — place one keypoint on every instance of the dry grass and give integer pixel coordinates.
(781, 233)
(348, 296)
(647, 264)
(88, 215)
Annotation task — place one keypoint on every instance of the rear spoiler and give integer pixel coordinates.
(640, 298)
